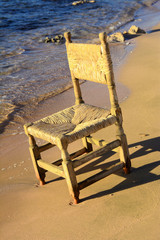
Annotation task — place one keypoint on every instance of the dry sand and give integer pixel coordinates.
(117, 207)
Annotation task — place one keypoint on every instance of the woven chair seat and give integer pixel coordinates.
(72, 123)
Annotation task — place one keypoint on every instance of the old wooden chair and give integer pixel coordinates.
(88, 62)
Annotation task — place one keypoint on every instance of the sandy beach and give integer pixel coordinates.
(117, 207)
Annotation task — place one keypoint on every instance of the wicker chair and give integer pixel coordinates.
(88, 62)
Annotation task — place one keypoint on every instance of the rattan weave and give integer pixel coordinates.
(72, 123)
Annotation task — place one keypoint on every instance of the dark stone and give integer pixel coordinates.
(59, 39)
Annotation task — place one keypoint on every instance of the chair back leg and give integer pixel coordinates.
(124, 154)
(87, 145)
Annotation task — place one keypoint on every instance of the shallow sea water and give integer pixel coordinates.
(32, 71)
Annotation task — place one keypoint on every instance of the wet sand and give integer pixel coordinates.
(117, 207)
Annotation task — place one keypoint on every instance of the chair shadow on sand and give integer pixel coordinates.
(137, 177)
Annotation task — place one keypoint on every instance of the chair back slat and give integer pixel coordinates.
(87, 62)
(91, 62)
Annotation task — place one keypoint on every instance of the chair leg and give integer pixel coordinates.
(35, 155)
(87, 145)
(124, 153)
(70, 175)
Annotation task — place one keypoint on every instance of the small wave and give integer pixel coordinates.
(6, 111)
(11, 53)
(9, 112)
(8, 69)
(35, 100)
(149, 3)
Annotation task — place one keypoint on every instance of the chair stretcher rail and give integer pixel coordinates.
(72, 156)
(99, 143)
(81, 160)
(46, 147)
(100, 175)
(78, 153)
(49, 167)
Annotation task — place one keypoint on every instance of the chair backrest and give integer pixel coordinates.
(91, 62)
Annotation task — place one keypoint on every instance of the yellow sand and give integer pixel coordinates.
(117, 207)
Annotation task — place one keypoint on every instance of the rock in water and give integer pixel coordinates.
(57, 39)
(82, 2)
(135, 30)
(47, 39)
(116, 37)
(121, 37)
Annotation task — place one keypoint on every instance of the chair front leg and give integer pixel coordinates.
(35, 155)
(69, 174)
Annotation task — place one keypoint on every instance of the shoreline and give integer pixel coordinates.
(116, 207)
